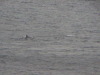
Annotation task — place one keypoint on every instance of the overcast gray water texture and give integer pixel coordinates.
(49, 37)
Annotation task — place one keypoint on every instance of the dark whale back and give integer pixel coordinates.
(27, 37)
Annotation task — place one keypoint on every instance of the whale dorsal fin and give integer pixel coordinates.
(26, 37)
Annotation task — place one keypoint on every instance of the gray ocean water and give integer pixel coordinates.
(49, 37)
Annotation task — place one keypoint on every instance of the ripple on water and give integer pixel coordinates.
(4, 48)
